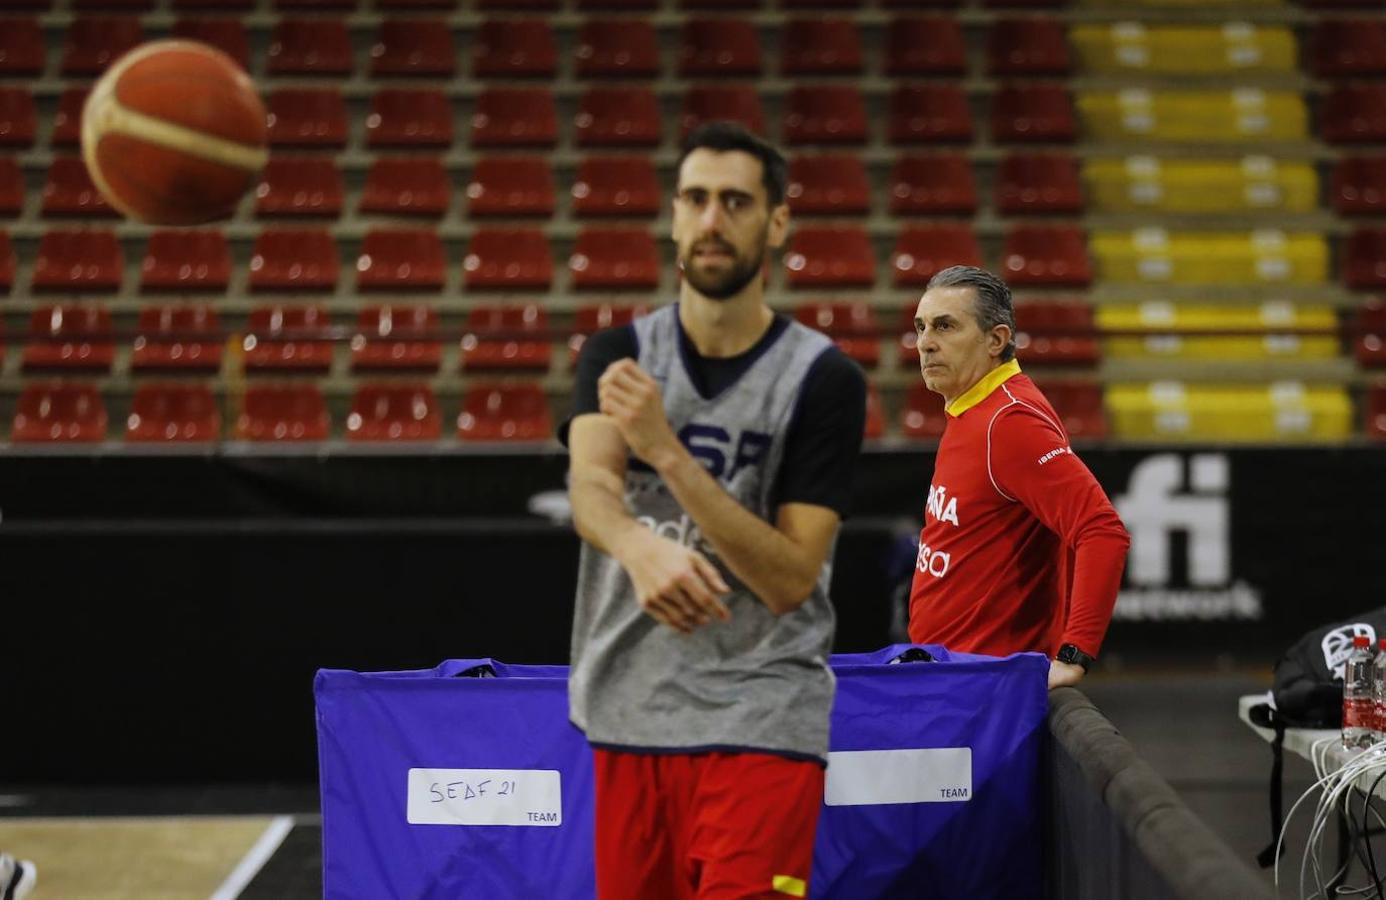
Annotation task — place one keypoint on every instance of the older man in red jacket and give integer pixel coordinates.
(1021, 549)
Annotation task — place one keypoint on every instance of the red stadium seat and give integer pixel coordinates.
(280, 339)
(820, 47)
(168, 339)
(199, 5)
(587, 320)
(1369, 336)
(406, 186)
(922, 251)
(68, 191)
(622, 48)
(618, 117)
(315, 5)
(939, 183)
(1374, 409)
(852, 326)
(394, 412)
(1056, 332)
(283, 413)
(736, 103)
(7, 264)
(925, 45)
(93, 43)
(299, 186)
(71, 337)
(929, 113)
(512, 347)
(1033, 113)
(59, 412)
(1348, 48)
(825, 114)
(11, 187)
(720, 4)
(439, 5)
(18, 120)
(173, 412)
(72, 261)
(511, 186)
(409, 118)
(511, 6)
(1047, 255)
(401, 260)
(508, 259)
(719, 47)
(1079, 405)
(505, 412)
(397, 337)
(519, 48)
(67, 121)
(818, 4)
(307, 117)
(1028, 47)
(414, 47)
(22, 48)
(828, 185)
(1364, 259)
(186, 259)
(309, 47)
(616, 186)
(1359, 185)
(294, 260)
(515, 117)
(614, 259)
(830, 257)
(874, 425)
(1354, 113)
(227, 35)
(923, 414)
(1038, 183)
(621, 5)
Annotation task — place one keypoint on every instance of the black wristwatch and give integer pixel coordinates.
(1073, 656)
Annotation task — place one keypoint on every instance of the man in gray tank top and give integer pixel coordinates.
(711, 454)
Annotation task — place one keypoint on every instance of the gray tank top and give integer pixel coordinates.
(757, 682)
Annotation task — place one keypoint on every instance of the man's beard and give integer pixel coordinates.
(727, 283)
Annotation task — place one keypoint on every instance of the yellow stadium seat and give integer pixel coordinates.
(1183, 50)
(1284, 412)
(1256, 257)
(1254, 183)
(1192, 325)
(1196, 116)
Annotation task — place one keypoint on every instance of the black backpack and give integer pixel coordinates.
(1308, 693)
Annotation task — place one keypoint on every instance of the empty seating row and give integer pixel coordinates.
(168, 413)
(630, 116)
(394, 259)
(819, 184)
(915, 45)
(1227, 413)
(1194, 331)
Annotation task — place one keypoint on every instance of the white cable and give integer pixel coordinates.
(1333, 786)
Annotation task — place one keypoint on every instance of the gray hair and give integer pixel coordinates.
(993, 305)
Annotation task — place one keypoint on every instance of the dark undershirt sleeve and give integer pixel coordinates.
(599, 351)
(825, 435)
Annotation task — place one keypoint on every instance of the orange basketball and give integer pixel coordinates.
(174, 133)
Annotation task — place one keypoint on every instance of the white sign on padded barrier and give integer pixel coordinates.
(485, 797)
(877, 777)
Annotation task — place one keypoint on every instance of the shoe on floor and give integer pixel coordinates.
(17, 877)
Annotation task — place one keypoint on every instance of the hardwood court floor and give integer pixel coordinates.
(128, 858)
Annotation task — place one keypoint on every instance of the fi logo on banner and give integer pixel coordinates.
(1162, 499)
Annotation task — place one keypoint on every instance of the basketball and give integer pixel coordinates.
(174, 133)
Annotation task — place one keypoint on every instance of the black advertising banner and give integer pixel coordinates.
(216, 584)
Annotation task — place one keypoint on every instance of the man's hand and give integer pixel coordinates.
(628, 394)
(1062, 674)
(676, 585)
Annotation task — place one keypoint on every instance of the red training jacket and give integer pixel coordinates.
(1021, 549)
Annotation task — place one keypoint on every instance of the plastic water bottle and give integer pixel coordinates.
(1358, 706)
(1379, 692)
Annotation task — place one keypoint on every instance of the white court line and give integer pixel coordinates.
(253, 861)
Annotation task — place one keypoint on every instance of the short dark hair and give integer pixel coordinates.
(723, 137)
(993, 305)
